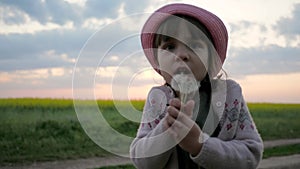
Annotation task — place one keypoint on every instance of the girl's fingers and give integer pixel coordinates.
(184, 118)
(172, 111)
(185, 108)
(179, 121)
(170, 120)
(173, 133)
(180, 129)
(175, 103)
(175, 116)
(188, 108)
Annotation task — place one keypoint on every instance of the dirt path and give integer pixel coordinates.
(88, 163)
(95, 162)
(287, 162)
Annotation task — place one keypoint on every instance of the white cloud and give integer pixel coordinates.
(263, 12)
(66, 58)
(57, 71)
(44, 78)
(53, 55)
(288, 26)
(27, 24)
(95, 23)
(23, 76)
(266, 60)
(80, 3)
(5, 77)
(32, 27)
(55, 11)
(114, 58)
(249, 35)
(106, 72)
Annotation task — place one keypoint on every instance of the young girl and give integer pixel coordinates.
(197, 119)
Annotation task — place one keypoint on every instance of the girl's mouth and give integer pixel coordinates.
(182, 70)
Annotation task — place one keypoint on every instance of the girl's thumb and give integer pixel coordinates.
(189, 107)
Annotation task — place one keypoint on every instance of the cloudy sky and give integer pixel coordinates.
(41, 42)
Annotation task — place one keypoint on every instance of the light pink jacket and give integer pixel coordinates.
(238, 145)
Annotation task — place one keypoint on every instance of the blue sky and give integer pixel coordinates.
(40, 41)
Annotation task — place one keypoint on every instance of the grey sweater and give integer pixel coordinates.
(238, 145)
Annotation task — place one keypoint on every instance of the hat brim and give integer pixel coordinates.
(214, 25)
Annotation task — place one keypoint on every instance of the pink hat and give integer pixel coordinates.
(213, 24)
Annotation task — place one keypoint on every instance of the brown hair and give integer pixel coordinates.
(169, 27)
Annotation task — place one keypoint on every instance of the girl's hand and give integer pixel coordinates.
(181, 126)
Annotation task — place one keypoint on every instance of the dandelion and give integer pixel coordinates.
(186, 84)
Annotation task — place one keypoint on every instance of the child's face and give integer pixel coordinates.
(173, 54)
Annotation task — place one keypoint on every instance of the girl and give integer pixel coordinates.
(197, 119)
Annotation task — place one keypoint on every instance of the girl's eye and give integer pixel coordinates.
(169, 47)
(195, 45)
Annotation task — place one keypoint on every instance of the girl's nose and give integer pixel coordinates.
(182, 53)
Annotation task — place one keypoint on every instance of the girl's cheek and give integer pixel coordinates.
(201, 52)
(202, 56)
(165, 62)
(166, 69)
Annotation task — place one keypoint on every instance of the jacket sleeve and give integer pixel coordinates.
(151, 147)
(238, 145)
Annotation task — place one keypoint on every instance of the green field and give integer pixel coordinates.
(276, 121)
(48, 129)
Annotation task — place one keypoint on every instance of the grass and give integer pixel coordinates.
(282, 151)
(48, 129)
(276, 121)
